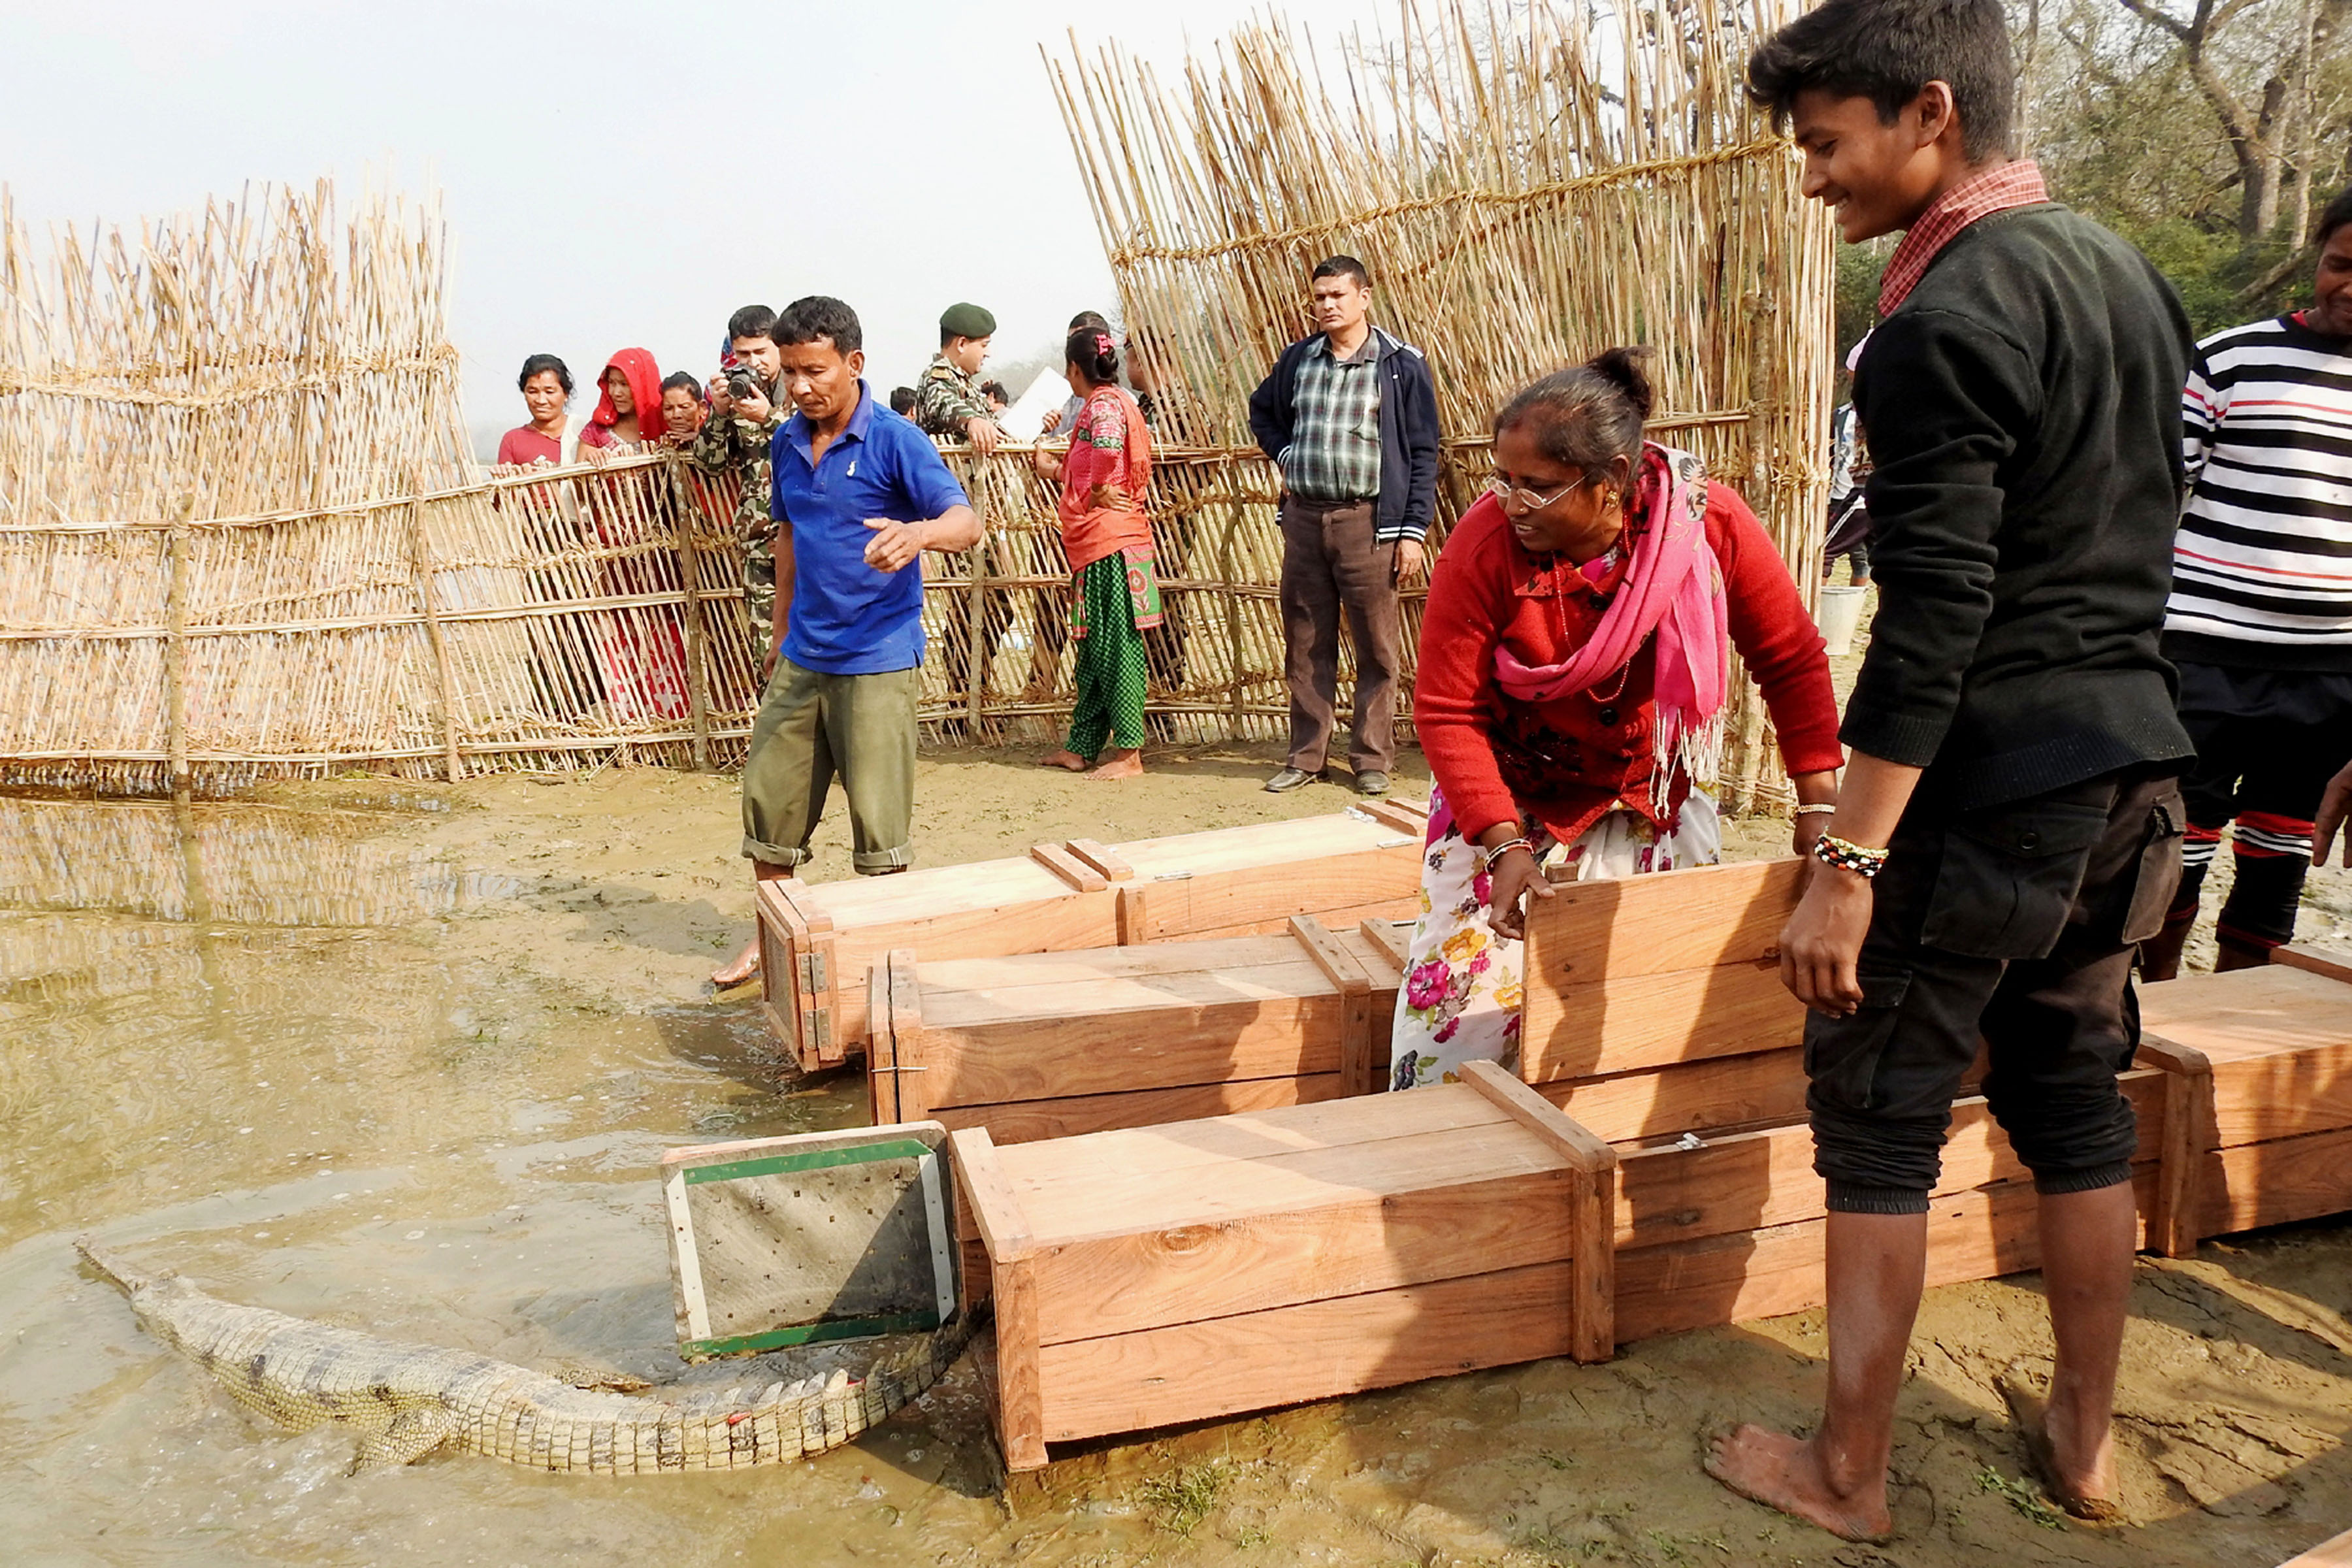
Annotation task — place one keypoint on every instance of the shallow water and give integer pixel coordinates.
(336, 1062)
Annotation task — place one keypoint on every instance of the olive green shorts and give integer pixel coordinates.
(813, 726)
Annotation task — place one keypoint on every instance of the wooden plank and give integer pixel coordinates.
(1393, 939)
(2187, 1137)
(1080, 876)
(1755, 1180)
(1285, 1355)
(1723, 1093)
(1693, 919)
(2292, 1179)
(1134, 915)
(903, 993)
(1149, 1278)
(1652, 1020)
(1591, 1202)
(881, 1051)
(2249, 1012)
(994, 1208)
(1055, 970)
(2261, 1099)
(2335, 963)
(1107, 1052)
(1028, 1121)
(2335, 1552)
(1112, 1201)
(1749, 1274)
(1238, 877)
(1103, 859)
(1357, 1069)
(1401, 906)
(1402, 815)
(1167, 1151)
(1020, 1375)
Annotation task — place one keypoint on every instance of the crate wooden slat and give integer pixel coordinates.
(1653, 1005)
(2269, 1050)
(2333, 1552)
(1056, 1044)
(819, 941)
(1155, 1275)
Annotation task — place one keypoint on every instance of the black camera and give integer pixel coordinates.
(742, 381)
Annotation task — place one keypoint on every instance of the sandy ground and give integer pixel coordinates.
(413, 1074)
(2238, 1390)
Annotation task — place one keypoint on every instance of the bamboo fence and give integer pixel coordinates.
(239, 535)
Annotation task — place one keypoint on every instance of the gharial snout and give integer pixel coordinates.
(111, 1265)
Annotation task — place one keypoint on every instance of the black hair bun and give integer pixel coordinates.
(1622, 368)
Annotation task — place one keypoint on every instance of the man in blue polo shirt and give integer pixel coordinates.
(860, 495)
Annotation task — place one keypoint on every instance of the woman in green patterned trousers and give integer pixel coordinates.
(1108, 541)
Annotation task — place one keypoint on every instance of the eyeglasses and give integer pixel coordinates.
(1502, 490)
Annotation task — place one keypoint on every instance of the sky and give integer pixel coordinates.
(618, 176)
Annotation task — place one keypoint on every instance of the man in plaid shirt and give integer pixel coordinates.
(1349, 416)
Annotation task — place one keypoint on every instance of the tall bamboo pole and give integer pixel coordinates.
(421, 571)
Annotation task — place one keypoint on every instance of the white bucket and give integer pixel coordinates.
(1840, 618)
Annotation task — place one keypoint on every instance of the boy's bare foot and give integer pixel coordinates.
(2074, 1458)
(1068, 760)
(745, 969)
(1786, 1473)
(1127, 764)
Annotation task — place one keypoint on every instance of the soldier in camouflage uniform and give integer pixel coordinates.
(737, 437)
(949, 405)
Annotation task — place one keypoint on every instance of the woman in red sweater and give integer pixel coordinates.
(1570, 698)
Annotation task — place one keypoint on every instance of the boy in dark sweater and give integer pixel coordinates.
(2009, 826)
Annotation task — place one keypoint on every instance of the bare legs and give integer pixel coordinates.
(2087, 1242)
(1837, 1479)
(745, 966)
(1876, 1267)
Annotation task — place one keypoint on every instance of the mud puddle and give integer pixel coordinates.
(405, 1061)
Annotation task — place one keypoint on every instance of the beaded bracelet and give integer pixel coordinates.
(1820, 808)
(1831, 850)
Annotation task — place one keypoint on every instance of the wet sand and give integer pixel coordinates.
(404, 1059)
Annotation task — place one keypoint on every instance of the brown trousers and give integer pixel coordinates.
(1332, 561)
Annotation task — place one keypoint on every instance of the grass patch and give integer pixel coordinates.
(1179, 1503)
(2022, 1496)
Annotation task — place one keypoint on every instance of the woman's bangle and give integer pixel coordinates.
(1507, 845)
(1819, 808)
(1847, 855)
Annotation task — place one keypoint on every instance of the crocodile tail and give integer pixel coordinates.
(111, 1265)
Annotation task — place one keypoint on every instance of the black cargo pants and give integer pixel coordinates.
(2019, 922)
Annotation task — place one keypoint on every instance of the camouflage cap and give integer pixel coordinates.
(967, 321)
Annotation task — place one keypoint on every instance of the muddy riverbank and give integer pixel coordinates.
(404, 1057)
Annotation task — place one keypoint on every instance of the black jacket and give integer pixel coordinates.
(1408, 430)
(2023, 412)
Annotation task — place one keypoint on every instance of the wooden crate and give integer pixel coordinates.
(818, 942)
(1176, 1273)
(1655, 1003)
(2333, 1552)
(2268, 1055)
(1051, 1045)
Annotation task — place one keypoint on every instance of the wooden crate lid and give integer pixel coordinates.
(2248, 1013)
(1263, 845)
(970, 993)
(1285, 1161)
(933, 891)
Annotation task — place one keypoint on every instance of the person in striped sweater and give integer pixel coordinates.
(2260, 620)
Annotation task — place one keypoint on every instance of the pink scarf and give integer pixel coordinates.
(1673, 587)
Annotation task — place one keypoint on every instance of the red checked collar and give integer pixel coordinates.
(2012, 184)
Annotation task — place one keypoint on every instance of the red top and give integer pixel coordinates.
(1568, 761)
(523, 445)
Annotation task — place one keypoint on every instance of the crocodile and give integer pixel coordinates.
(407, 1400)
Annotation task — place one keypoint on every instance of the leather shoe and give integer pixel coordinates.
(1290, 779)
(1371, 782)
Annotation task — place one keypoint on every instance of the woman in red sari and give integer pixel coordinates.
(640, 649)
(1571, 693)
(1107, 539)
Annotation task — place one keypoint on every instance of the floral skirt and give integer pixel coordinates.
(1460, 1000)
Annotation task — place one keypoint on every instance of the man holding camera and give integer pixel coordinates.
(742, 426)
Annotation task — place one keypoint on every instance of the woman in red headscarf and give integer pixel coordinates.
(628, 404)
(640, 650)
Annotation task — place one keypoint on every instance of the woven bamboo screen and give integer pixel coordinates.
(239, 535)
